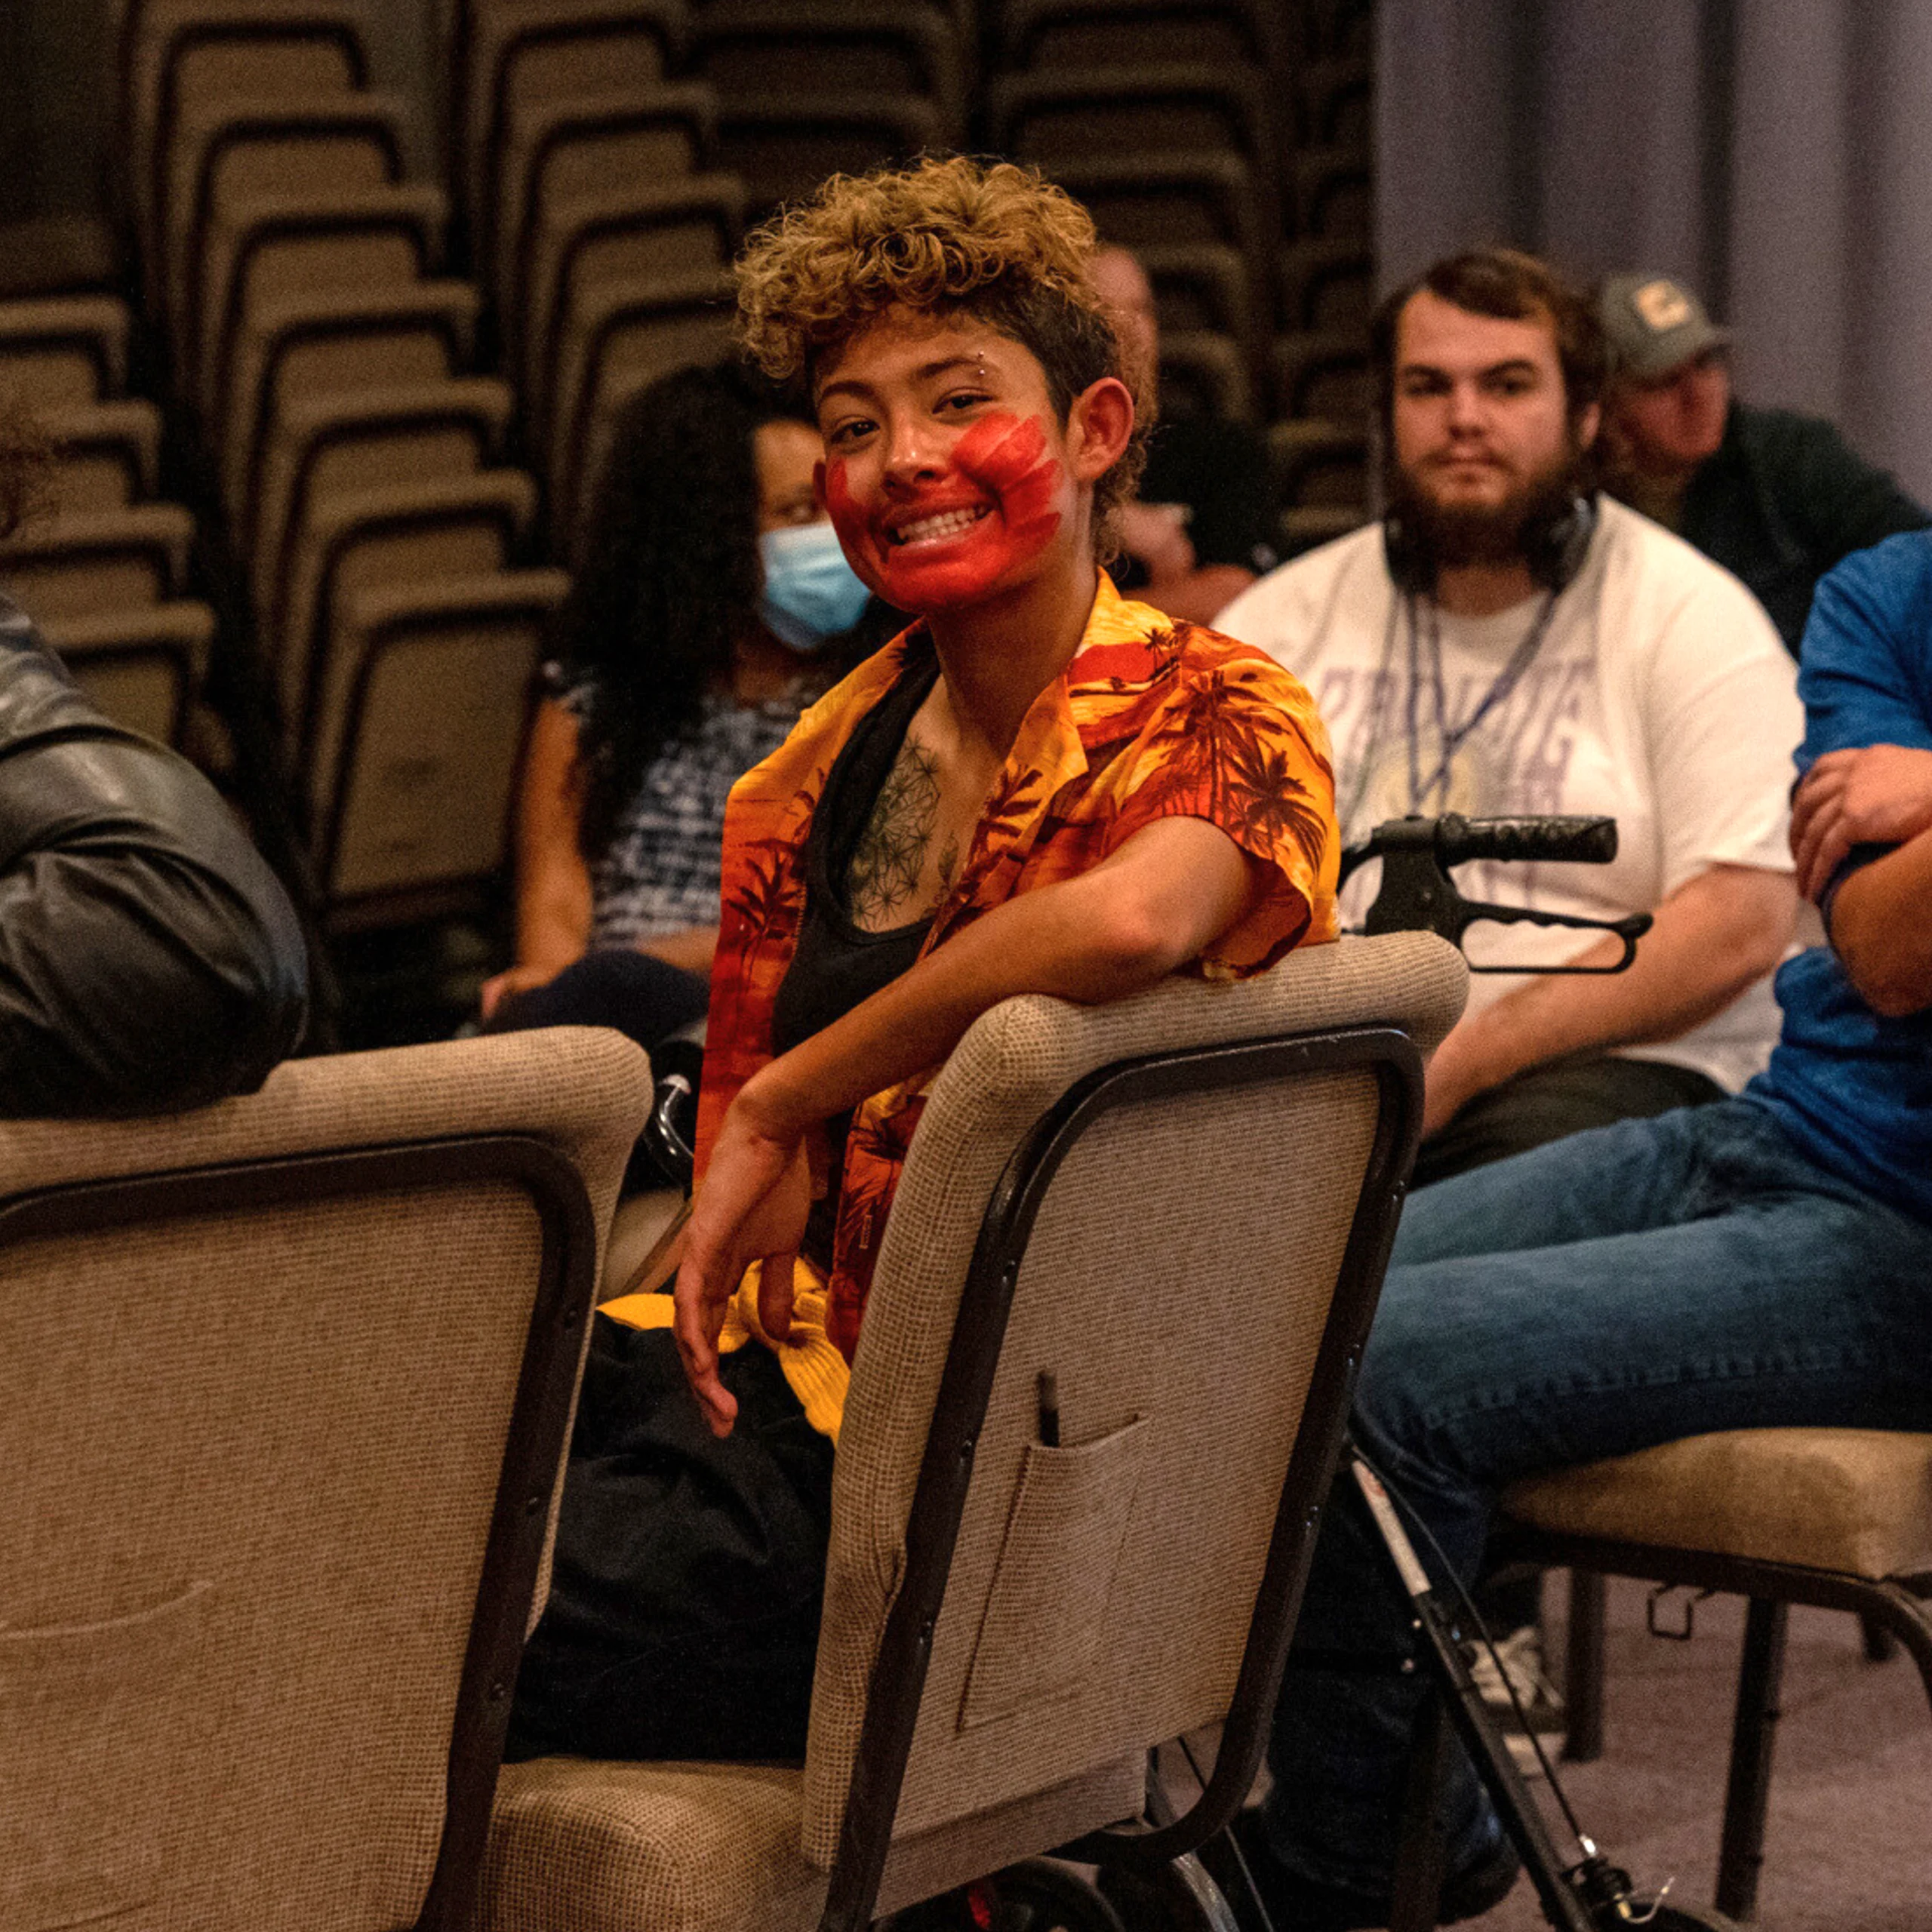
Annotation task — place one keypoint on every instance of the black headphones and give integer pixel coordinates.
(1553, 549)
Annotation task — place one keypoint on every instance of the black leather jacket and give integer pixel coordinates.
(149, 959)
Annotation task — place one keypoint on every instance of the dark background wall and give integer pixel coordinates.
(1776, 153)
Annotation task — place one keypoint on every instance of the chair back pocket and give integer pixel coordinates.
(1046, 1612)
(88, 1744)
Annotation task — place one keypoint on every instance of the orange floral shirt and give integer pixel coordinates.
(1151, 718)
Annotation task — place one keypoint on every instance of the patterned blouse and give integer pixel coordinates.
(660, 872)
(1151, 719)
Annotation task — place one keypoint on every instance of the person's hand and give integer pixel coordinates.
(517, 979)
(753, 1207)
(1156, 534)
(1878, 795)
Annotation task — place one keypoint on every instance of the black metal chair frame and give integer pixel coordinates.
(1901, 1607)
(904, 1650)
(538, 1418)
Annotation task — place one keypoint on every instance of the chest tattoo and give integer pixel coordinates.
(890, 859)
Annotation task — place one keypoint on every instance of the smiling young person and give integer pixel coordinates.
(1038, 788)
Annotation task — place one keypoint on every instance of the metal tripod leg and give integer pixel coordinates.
(1442, 1657)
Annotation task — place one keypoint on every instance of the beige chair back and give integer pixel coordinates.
(108, 454)
(239, 151)
(63, 352)
(267, 248)
(181, 55)
(417, 817)
(561, 148)
(142, 667)
(519, 52)
(655, 231)
(626, 335)
(406, 536)
(291, 1376)
(1189, 1226)
(324, 446)
(87, 564)
(329, 344)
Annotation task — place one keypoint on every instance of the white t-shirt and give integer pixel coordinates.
(1660, 696)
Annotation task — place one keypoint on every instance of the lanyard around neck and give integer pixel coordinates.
(1450, 739)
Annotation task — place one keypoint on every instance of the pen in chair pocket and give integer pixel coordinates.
(1049, 1410)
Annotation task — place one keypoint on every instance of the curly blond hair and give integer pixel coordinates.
(991, 240)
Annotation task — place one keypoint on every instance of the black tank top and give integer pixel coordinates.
(836, 964)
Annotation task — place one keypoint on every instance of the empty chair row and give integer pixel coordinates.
(100, 564)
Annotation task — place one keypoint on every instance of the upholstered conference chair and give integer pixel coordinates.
(1180, 1207)
(1840, 1517)
(286, 1385)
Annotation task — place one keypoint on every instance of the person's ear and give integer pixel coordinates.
(1099, 428)
(1589, 420)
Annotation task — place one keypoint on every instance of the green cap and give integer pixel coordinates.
(1653, 325)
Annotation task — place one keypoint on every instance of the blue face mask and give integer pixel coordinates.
(810, 594)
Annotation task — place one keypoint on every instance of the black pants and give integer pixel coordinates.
(644, 998)
(1550, 1102)
(684, 1610)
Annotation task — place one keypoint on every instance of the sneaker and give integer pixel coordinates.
(1296, 1904)
(1517, 1665)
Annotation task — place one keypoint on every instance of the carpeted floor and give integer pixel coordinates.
(1849, 1848)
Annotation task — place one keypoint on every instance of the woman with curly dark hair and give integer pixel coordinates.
(711, 603)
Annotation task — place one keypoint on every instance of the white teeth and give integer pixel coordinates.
(945, 525)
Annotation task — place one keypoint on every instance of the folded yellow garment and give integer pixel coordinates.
(817, 1372)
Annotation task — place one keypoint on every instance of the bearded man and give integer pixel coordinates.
(1506, 641)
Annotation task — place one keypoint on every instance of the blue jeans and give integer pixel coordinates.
(1627, 1287)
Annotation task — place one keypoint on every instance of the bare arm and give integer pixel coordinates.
(1177, 583)
(1715, 934)
(1880, 929)
(1169, 892)
(1876, 794)
(552, 881)
(692, 947)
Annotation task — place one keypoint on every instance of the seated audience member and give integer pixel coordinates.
(1006, 799)
(1776, 498)
(1504, 641)
(1765, 1262)
(1203, 523)
(712, 604)
(149, 959)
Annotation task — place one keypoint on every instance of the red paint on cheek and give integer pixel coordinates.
(855, 538)
(1006, 459)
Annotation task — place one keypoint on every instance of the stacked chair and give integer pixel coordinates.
(384, 376)
(599, 224)
(321, 353)
(1226, 143)
(104, 565)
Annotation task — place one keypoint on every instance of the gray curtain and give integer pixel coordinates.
(1775, 154)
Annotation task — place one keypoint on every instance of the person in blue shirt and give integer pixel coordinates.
(1764, 1261)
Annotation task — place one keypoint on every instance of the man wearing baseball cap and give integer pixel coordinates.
(1776, 498)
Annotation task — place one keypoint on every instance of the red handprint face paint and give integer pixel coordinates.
(947, 543)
